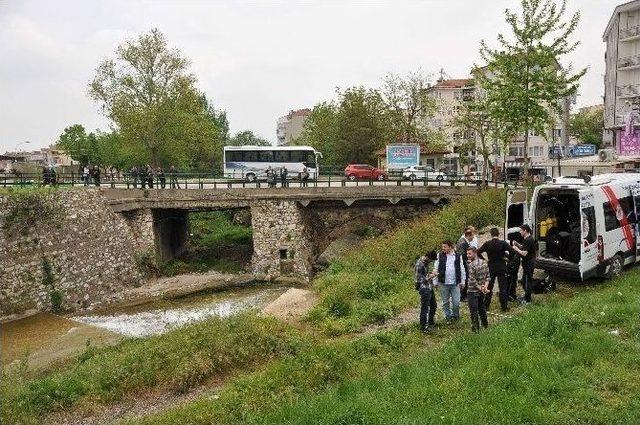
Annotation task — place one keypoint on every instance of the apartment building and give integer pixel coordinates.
(451, 95)
(622, 74)
(289, 127)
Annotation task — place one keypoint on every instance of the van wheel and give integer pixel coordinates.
(250, 177)
(615, 267)
(412, 177)
(352, 177)
(439, 178)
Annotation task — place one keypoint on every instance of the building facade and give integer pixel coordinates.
(622, 72)
(290, 126)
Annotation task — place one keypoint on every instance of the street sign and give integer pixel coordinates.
(402, 156)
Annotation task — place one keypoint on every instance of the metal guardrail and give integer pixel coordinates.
(214, 181)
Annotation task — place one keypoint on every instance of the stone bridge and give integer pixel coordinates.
(290, 226)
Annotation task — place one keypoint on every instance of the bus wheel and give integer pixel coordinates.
(615, 266)
(251, 177)
(412, 177)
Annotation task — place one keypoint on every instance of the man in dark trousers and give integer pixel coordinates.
(461, 248)
(527, 251)
(496, 250)
(478, 281)
(424, 287)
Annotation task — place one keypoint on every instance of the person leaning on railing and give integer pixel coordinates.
(173, 178)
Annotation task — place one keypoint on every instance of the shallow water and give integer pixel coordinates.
(160, 316)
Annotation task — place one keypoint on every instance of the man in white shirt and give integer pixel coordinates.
(450, 277)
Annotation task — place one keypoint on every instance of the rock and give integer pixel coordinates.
(292, 305)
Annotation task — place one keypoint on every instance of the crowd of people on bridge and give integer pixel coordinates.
(461, 273)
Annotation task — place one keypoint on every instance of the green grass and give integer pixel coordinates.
(174, 361)
(374, 283)
(315, 368)
(556, 364)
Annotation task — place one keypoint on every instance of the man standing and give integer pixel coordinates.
(425, 289)
(496, 249)
(461, 248)
(173, 177)
(477, 286)
(450, 276)
(283, 176)
(527, 251)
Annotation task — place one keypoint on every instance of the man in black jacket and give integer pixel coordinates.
(496, 250)
(424, 287)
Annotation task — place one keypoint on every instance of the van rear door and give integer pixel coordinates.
(589, 234)
(517, 213)
(635, 192)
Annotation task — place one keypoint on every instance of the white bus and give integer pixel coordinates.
(251, 162)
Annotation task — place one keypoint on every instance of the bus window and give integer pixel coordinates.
(310, 160)
(297, 156)
(235, 156)
(281, 156)
(265, 156)
(250, 156)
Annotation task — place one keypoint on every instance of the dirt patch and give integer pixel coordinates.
(292, 305)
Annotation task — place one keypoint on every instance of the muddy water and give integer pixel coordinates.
(160, 316)
(46, 337)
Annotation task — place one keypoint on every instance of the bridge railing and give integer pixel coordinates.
(214, 181)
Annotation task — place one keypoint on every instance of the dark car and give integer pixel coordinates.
(364, 171)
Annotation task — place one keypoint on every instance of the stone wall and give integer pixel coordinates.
(90, 249)
(282, 244)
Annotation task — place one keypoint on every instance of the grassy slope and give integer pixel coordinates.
(557, 364)
(175, 361)
(374, 283)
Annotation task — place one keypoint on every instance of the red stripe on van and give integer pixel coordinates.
(624, 223)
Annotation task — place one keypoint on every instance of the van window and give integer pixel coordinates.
(589, 224)
(611, 221)
(515, 215)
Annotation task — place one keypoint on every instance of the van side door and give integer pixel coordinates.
(635, 194)
(589, 251)
(517, 213)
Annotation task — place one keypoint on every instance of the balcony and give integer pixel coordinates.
(629, 34)
(628, 91)
(629, 62)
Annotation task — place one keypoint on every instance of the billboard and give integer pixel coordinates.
(582, 150)
(402, 156)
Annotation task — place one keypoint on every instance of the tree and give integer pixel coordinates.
(151, 97)
(320, 130)
(362, 124)
(75, 141)
(525, 83)
(587, 125)
(409, 105)
(247, 138)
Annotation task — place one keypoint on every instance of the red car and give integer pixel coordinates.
(364, 171)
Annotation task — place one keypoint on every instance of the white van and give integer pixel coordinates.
(584, 227)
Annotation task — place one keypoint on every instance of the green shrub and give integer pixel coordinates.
(56, 300)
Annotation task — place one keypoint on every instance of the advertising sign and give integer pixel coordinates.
(583, 150)
(402, 156)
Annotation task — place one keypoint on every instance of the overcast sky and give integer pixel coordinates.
(256, 60)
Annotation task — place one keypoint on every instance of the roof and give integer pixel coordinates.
(590, 161)
(632, 5)
(425, 149)
(299, 113)
(269, 148)
(455, 83)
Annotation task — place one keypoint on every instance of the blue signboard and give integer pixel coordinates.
(402, 156)
(583, 150)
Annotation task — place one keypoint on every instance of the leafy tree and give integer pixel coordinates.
(363, 126)
(587, 125)
(151, 97)
(246, 138)
(525, 83)
(320, 130)
(409, 105)
(75, 141)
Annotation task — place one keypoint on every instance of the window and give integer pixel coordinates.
(235, 156)
(265, 156)
(250, 156)
(297, 156)
(311, 159)
(515, 215)
(589, 224)
(281, 156)
(516, 151)
(611, 221)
